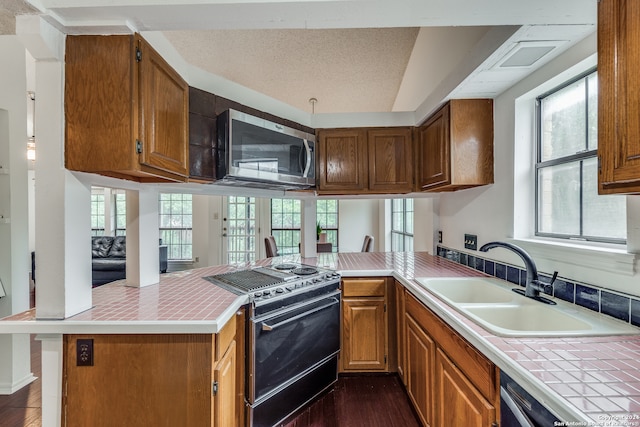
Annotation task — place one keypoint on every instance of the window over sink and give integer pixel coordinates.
(567, 202)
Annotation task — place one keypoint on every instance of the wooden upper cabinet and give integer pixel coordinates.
(454, 147)
(390, 160)
(126, 110)
(619, 96)
(365, 160)
(163, 113)
(342, 161)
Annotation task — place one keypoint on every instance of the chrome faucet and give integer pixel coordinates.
(534, 285)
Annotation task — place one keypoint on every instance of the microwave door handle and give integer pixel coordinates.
(308, 159)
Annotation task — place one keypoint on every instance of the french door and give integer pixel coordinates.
(240, 229)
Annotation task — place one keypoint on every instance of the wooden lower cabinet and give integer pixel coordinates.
(364, 345)
(450, 383)
(400, 330)
(420, 353)
(225, 395)
(155, 380)
(458, 402)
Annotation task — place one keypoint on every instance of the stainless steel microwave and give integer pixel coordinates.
(256, 150)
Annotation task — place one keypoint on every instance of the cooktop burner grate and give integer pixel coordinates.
(244, 280)
(285, 266)
(305, 271)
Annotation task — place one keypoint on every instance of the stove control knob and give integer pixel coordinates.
(266, 292)
(290, 288)
(317, 280)
(279, 290)
(257, 294)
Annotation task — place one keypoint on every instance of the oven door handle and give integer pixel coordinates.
(267, 327)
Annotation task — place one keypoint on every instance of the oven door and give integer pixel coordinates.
(291, 341)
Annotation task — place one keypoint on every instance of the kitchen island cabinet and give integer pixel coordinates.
(618, 96)
(155, 379)
(126, 110)
(454, 147)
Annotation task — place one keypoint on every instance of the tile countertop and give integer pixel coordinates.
(590, 381)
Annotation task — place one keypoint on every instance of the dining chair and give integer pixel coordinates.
(270, 246)
(367, 244)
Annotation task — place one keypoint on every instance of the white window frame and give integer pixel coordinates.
(578, 159)
(406, 236)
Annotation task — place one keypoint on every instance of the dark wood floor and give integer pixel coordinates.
(356, 401)
(24, 407)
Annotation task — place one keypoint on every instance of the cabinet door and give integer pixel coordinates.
(163, 109)
(432, 149)
(400, 330)
(364, 335)
(390, 160)
(420, 352)
(139, 380)
(342, 161)
(458, 402)
(224, 401)
(619, 96)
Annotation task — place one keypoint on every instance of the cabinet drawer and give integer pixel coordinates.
(374, 287)
(478, 369)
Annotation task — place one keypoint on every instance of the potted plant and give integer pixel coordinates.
(318, 230)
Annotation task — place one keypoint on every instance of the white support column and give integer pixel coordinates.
(63, 209)
(15, 366)
(308, 237)
(51, 379)
(143, 263)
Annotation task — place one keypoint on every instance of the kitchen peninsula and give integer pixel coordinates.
(184, 303)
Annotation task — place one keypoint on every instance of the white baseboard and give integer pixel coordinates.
(7, 388)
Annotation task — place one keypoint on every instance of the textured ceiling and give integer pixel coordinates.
(346, 70)
(8, 11)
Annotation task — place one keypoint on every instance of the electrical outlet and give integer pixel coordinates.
(84, 352)
(439, 236)
(471, 242)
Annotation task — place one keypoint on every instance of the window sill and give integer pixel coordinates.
(607, 258)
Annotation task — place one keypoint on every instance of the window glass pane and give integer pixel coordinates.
(559, 199)
(563, 122)
(175, 220)
(604, 216)
(592, 106)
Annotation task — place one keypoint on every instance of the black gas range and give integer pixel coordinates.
(293, 336)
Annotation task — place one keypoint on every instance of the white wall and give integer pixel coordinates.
(493, 212)
(357, 219)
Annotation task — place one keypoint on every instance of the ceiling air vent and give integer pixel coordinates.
(526, 54)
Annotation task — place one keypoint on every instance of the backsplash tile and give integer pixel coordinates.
(513, 275)
(489, 267)
(564, 290)
(588, 297)
(615, 305)
(635, 312)
(622, 307)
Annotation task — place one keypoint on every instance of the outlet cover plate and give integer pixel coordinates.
(84, 352)
(471, 241)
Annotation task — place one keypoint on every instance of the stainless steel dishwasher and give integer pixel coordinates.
(519, 409)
